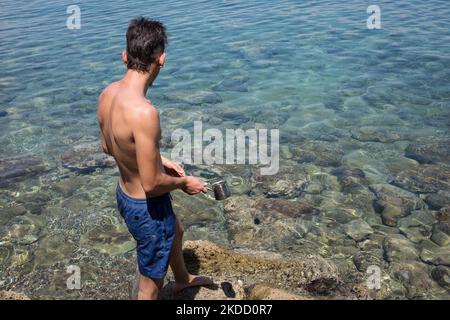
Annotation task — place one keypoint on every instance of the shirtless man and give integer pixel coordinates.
(130, 132)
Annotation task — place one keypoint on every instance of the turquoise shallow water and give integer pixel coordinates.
(342, 96)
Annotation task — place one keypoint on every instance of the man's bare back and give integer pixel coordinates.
(117, 114)
(130, 132)
(127, 119)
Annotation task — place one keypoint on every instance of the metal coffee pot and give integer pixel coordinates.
(221, 190)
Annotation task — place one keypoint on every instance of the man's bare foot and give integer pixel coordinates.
(194, 281)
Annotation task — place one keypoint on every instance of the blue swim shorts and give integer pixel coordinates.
(151, 222)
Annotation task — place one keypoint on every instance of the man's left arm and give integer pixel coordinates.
(172, 168)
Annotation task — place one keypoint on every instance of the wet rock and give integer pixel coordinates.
(52, 249)
(436, 201)
(8, 213)
(414, 276)
(443, 217)
(108, 235)
(175, 118)
(371, 253)
(378, 134)
(320, 153)
(24, 230)
(349, 179)
(441, 275)
(397, 248)
(335, 103)
(358, 230)
(67, 187)
(274, 115)
(19, 168)
(34, 201)
(390, 214)
(194, 98)
(424, 179)
(364, 259)
(86, 157)
(311, 273)
(394, 203)
(417, 226)
(234, 117)
(314, 188)
(231, 85)
(430, 150)
(222, 289)
(20, 256)
(261, 292)
(263, 223)
(436, 256)
(199, 211)
(288, 183)
(287, 208)
(439, 237)
(3, 114)
(11, 295)
(240, 185)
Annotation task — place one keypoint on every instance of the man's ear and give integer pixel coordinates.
(162, 60)
(124, 57)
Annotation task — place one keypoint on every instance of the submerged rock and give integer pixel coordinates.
(288, 183)
(231, 85)
(23, 231)
(19, 168)
(358, 229)
(233, 117)
(397, 248)
(349, 179)
(108, 235)
(320, 153)
(290, 209)
(430, 151)
(437, 201)
(262, 222)
(273, 114)
(52, 249)
(200, 210)
(436, 256)
(86, 157)
(417, 226)
(394, 203)
(424, 179)
(194, 98)
(378, 134)
(441, 275)
(439, 236)
(443, 217)
(415, 278)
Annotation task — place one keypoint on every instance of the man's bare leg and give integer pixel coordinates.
(182, 277)
(149, 288)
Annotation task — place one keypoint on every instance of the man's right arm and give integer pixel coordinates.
(154, 181)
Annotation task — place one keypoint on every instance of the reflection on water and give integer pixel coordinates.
(363, 116)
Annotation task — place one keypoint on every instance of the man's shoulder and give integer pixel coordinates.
(143, 117)
(144, 110)
(109, 90)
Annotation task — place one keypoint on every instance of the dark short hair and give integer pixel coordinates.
(145, 39)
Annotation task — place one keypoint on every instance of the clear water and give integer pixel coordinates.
(312, 69)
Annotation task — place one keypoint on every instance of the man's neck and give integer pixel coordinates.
(137, 81)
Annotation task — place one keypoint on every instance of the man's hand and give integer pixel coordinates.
(171, 168)
(194, 185)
